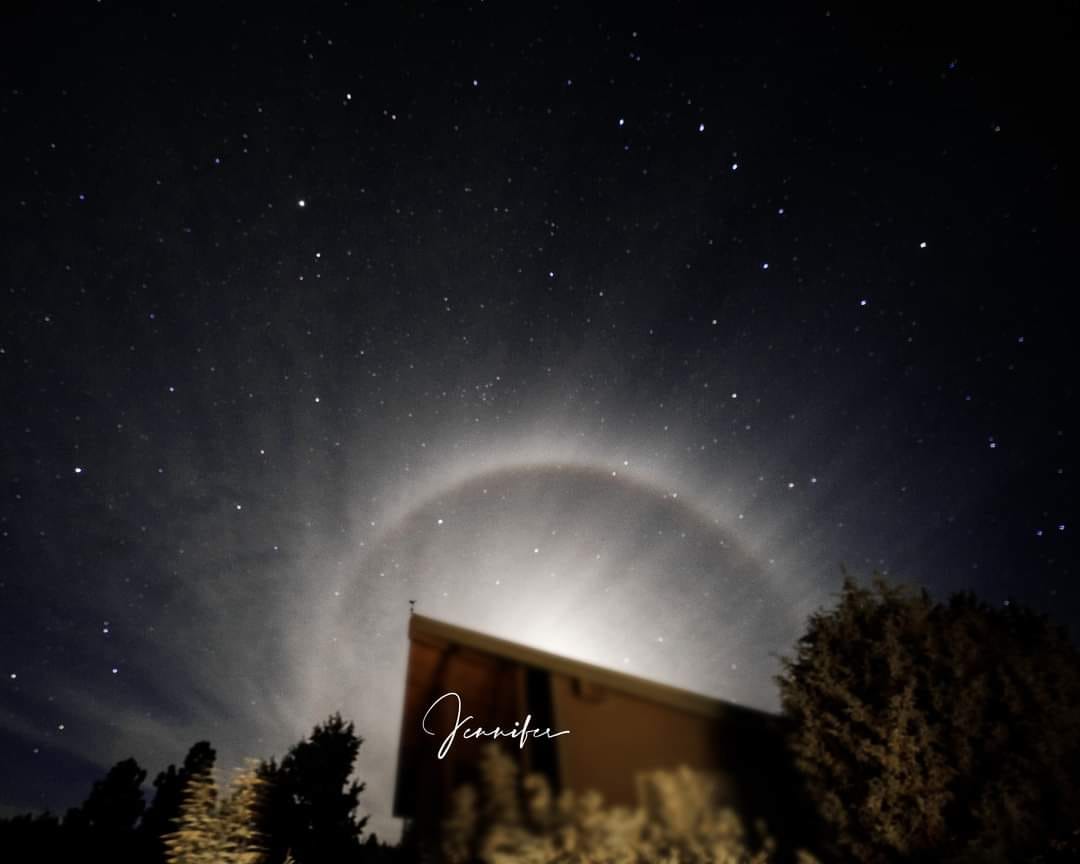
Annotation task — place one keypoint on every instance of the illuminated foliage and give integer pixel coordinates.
(678, 821)
(217, 828)
(949, 731)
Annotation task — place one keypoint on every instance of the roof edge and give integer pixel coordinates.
(421, 626)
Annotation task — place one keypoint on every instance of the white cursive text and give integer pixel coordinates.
(522, 734)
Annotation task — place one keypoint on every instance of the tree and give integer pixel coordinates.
(40, 832)
(105, 823)
(311, 803)
(935, 731)
(215, 827)
(162, 816)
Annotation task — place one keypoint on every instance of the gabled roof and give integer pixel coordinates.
(426, 629)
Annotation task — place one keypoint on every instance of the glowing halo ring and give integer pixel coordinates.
(630, 481)
(648, 476)
(416, 511)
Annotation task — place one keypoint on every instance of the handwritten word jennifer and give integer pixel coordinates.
(521, 734)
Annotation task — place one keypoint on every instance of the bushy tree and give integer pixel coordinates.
(935, 731)
(311, 799)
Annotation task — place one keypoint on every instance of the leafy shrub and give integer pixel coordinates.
(678, 821)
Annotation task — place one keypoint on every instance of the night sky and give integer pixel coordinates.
(617, 334)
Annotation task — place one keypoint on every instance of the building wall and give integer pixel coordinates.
(491, 688)
(613, 735)
(615, 732)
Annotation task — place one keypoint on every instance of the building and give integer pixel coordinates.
(619, 725)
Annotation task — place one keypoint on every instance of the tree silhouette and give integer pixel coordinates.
(311, 802)
(162, 816)
(105, 823)
(40, 832)
(931, 731)
(302, 810)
